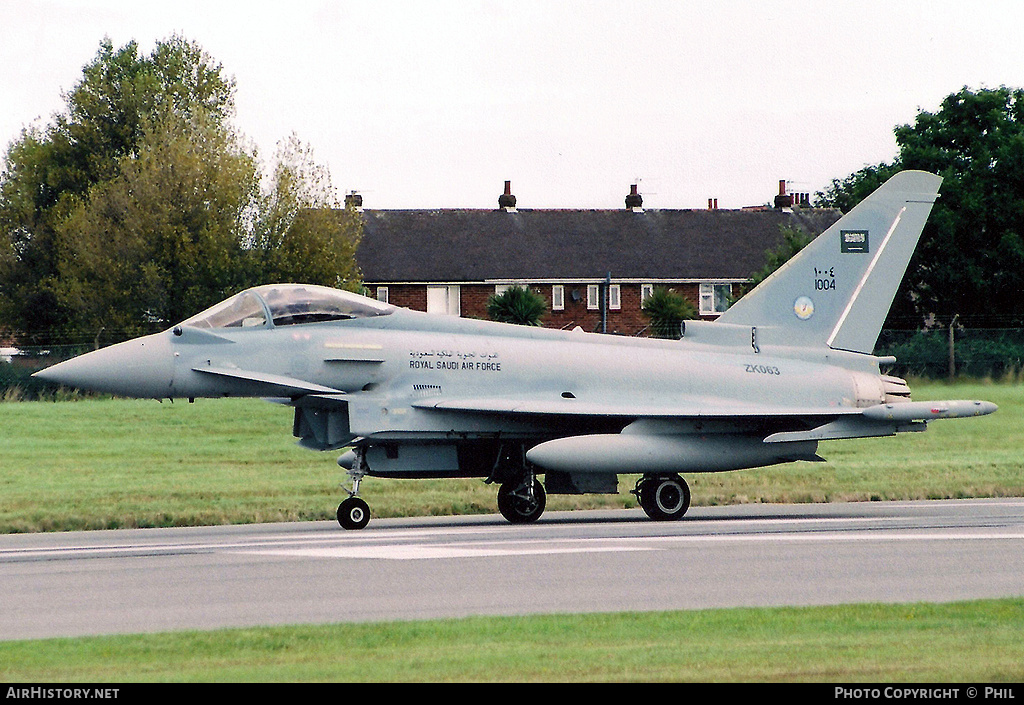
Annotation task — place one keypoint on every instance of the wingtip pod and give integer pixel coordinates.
(837, 291)
(928, 410)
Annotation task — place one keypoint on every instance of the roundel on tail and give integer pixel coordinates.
(803, 308)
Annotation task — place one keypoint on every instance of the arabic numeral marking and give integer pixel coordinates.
(825, 279)
(763, 369)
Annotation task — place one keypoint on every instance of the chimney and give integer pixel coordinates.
(712, 204)
(354, 200)
(782, 200)
(634, 201)
(506, 200)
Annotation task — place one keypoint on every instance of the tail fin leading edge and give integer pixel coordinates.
(837, 291)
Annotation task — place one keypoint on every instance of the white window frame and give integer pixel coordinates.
(382, 294)
(646, 291)
(557, 297)
(709, 295)
(614, 297)
(446, 300)
(593, 297)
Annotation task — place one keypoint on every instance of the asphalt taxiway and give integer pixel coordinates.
(128, 581)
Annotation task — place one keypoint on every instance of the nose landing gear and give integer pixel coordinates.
(354, 513)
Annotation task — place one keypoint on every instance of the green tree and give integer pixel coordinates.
(667, 309)
(970, 261)
(48, 173)
(517, 304)
(142, 204)
(304, 234)
(164, 238)
(844, 194)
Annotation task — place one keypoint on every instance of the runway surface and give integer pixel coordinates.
(149, 580)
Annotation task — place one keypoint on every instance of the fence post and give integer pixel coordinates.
(952, 348)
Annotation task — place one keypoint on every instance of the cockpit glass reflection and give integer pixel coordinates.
(291, 305)
(242, 311)
(287, 304)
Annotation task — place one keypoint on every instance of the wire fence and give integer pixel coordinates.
(996, 353)
(18, 364)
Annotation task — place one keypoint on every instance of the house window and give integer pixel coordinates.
(500, 289)
(382, 294)
(645, 291)
(714, 298)
(444, 300)
(614, 297)
(557, 297)
(593, 296)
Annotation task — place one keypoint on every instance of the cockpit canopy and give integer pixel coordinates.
(287, 304)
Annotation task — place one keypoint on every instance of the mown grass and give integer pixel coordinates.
(981, 641)
(95, 464)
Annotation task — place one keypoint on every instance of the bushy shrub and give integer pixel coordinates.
(519, 305)
(667, 309)
(977, 353)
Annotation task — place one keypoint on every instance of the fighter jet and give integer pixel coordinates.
(413, 395)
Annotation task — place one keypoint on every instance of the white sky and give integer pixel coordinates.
(430, 104)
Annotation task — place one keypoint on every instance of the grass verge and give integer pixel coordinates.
(979, 641)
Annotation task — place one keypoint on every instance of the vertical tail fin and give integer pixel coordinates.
(837, 291)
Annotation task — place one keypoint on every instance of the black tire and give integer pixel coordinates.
(516, 506)
(353, 513)
(664, 498)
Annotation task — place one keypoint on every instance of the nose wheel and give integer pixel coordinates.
(353, 513)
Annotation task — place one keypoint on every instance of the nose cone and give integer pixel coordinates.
(143, 367)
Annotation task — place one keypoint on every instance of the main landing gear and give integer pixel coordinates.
(522, 500)
(521, 496)
(663, 497)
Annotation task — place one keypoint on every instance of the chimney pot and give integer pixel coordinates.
(634, 200)
(507, 200)
(782, 200)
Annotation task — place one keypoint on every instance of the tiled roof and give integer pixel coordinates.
(479, 245)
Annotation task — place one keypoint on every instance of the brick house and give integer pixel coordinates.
(593, 267)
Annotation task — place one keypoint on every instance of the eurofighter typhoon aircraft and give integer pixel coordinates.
(414, 395)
